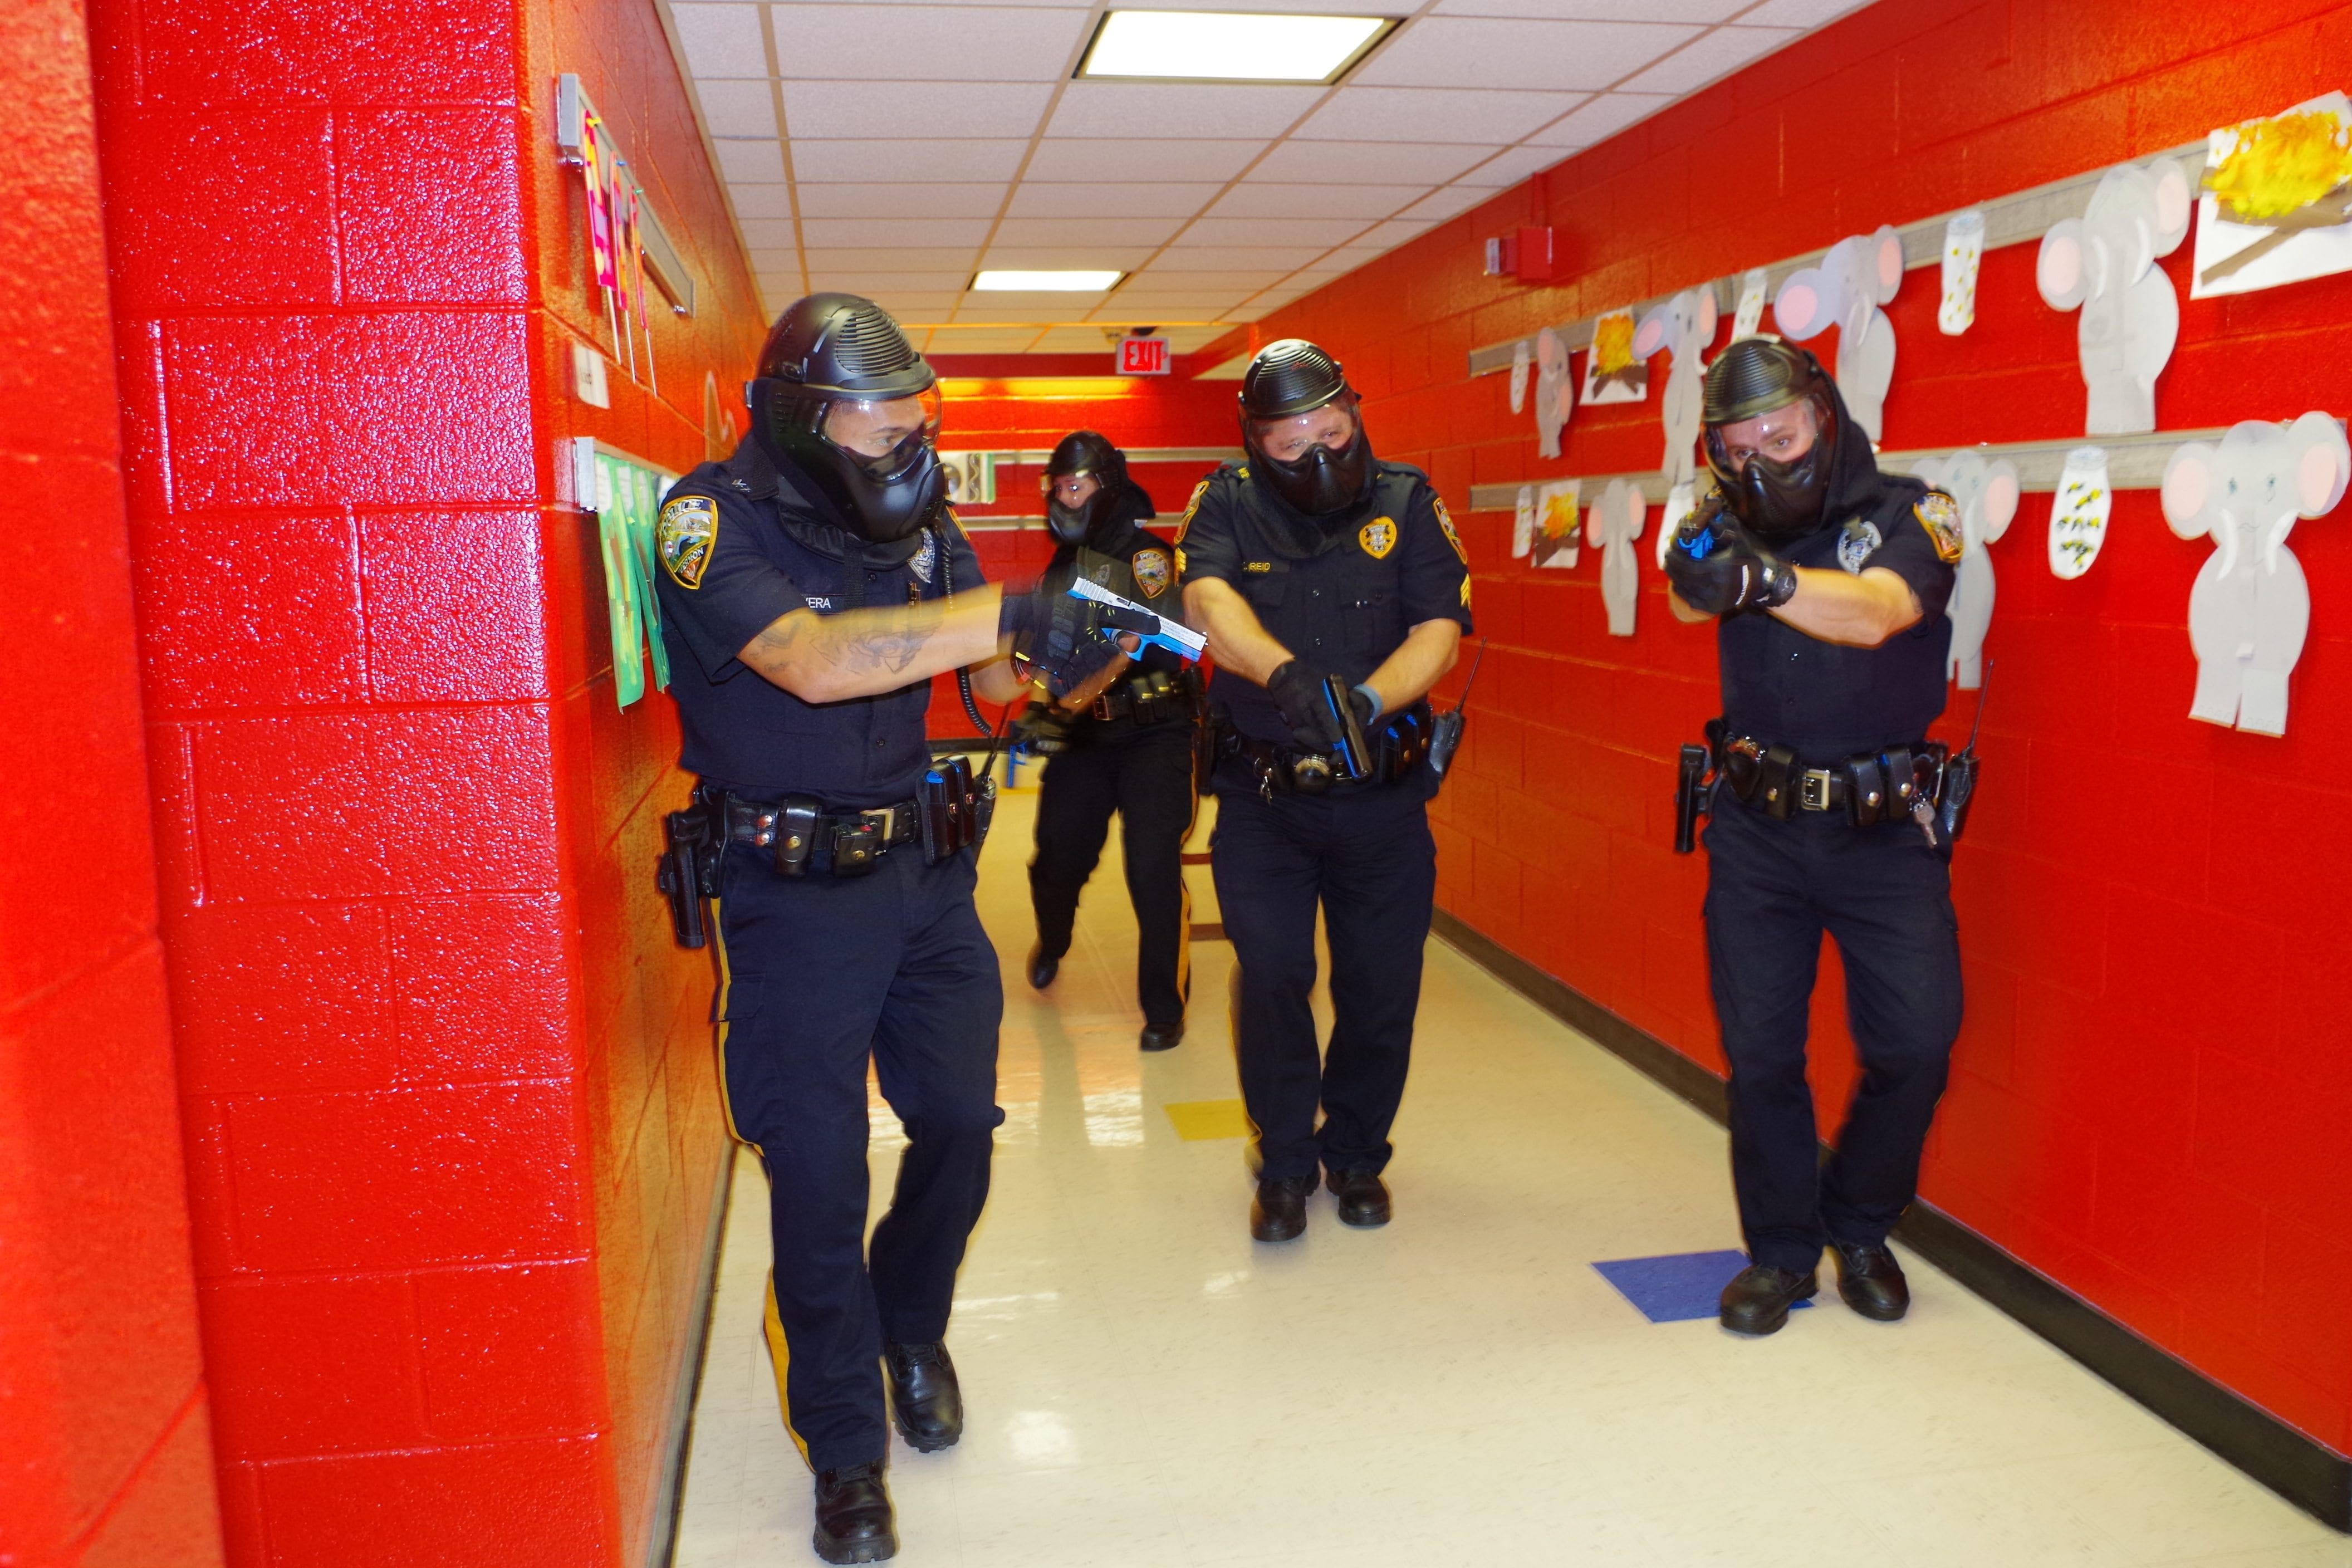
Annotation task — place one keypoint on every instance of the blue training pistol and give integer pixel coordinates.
(1172, 635)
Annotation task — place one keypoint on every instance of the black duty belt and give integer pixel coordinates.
(760, 821)
(1868, 788)
(1398, 748)
(1152, 698)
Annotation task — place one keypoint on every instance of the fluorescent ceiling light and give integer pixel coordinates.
(1228, 46)
(1046, 282)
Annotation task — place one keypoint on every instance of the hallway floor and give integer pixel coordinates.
(1148, 1387)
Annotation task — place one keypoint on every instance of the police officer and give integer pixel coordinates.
(812, 584)
(1334, 593)
(1123, 742)
(1828, 581)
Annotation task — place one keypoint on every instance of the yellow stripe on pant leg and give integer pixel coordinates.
(725, 986)
(780, 1356)
(1184, 888)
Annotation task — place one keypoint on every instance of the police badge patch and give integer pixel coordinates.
(1151, 569)
(1939, 514)
(1445, 522)
(1378, 537)
(1860, 541)
(687, 528)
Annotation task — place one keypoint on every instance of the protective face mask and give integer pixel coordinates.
(1321, 481)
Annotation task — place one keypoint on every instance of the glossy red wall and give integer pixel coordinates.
(2152, 1089)
(447, 1085)
(105, 1439)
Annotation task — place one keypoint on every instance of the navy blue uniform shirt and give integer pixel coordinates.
(742, 542)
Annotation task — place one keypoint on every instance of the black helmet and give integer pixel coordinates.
(1087, 452)
(1773, 500)
(834, 351)
(1284, 379)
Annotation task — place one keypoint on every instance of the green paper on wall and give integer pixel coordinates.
(627, 494)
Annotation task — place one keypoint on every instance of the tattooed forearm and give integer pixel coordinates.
(861, 653)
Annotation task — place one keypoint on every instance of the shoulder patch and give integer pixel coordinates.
(1151, 569)
(1445, 522)
(1939, 514)
(1191, 506)
(1378, 537)
(683, 537)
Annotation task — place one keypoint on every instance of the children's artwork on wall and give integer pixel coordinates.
(2105, 263)
(1956, 312)
(1680, 501)
(1555, 392)
(1555, 537)
(1523, 523)
(1860, 273)
(1985, 496)
(2278, 200)
(2078, 512)
(1748, 314)
(1611, 372)
(1613, 525)
(2250, 608)
(1682, 326)
(1521, 360)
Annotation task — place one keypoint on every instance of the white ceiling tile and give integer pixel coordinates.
(1283, 7)
(1599, 120)
(1069, 304)
(1141, 199)
(1156, 110)
(1512, 165)
(1395, 232)
(1075, 340)
(908, 162)
(1478, 51)
(1275, 260)
(1348, 258)
(1113, 231)
(1074, 254)
(752, 163)
(1439, 205)
(1366, 162)
(720, 41)
(894, 258)
(1238, 282)
(1800, 13)
(878, 282)
(761, 201)
(981, 201)
(1434, 114)
(1599, 10)
(1097, 161)
(1712, 54)
(1136, 297)
(883, 231)
(1250, 312)
(853, 109)
(775, 258)
(1269, 232)
(759, 232)
(994, 341)
(930, 305)
(924, 43)
(737, 107)
(1254, 200)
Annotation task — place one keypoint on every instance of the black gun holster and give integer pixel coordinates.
(687, 871)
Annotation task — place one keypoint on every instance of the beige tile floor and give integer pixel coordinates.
(1148, 1387)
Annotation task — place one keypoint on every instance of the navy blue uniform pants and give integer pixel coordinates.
(1772, 889)
(1146, 777)
(818, 975)
(1365, 855)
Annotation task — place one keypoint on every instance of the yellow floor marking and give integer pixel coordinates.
(1200, 1120)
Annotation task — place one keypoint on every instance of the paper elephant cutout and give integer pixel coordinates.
(1555, 392)
(2105, 263)
(1612, 525)
(2249, 608)
(1683, 326)
(1987, 494)
(1859, 274)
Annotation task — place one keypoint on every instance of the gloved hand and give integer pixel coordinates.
(1042, 730)
(1297, 691)
(1720, 569)
(1068, 640)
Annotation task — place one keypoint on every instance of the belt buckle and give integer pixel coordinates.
(888, 819)
(1101, 708)
(1813, 789)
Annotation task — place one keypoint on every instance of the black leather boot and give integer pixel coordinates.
(1871, 1282)
(1363, 1198)
(1758, 1299)
(853, 1515)
(1043, 966)
(926, 1400)
(1162, 1036)
(1279, 1211)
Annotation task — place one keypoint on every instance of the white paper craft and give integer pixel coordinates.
(1611, 372)
(1680, 501)
(1613, 525)
(1987, 494)
(2278, 200)
(1523, 523)
(1860, 273)
(1955, 313)
(1520, 360)
(2078, 512)
(1749, 315)
(2250, 608)
(1555, 392)
(2105, 262)
(1555, 530)
(1682, 326)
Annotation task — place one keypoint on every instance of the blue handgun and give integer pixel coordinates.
(1172, 635)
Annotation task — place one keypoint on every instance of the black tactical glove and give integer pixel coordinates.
(1720, 570)
(1297, 690)
(1042, 730)
(1067, 639)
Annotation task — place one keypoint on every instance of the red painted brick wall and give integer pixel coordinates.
(2151, 1089)
(105, 1444)
(451, 1127)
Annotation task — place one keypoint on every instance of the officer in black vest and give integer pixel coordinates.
(1123, 742)
(1334, 593)
(1830, 580)
(812, 585)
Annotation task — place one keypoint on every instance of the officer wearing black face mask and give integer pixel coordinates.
(1122, 742)
(1830, 579)
(1334, 592)
(811, 586)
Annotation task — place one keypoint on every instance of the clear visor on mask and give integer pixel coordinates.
(883, 432)
(1288, 439)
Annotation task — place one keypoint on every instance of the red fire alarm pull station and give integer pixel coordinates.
(1143, 356)
(1527, 255)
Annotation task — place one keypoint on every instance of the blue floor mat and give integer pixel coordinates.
(1678, 1287)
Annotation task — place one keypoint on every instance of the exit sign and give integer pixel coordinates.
(1143, 356)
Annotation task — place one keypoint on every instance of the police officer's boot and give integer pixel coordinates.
(1759, 1296)
(1871, 1282)
(853, 1515)
(926, 1400)
(1043, 966)
(1279, 1211)
(1363, 1197)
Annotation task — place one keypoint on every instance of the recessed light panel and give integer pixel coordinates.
(1229, 45)
(1072, 282)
